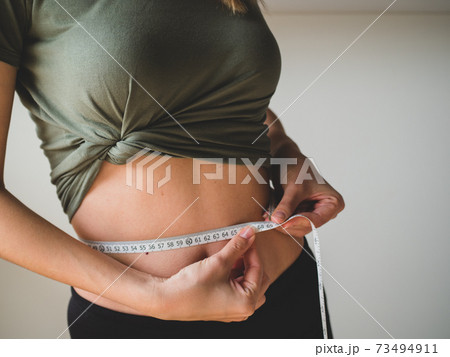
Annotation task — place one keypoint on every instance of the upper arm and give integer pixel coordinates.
(15, 20)
(274, 124)
(7, 87)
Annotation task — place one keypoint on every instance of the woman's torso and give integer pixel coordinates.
(113, 210)
(105, 79)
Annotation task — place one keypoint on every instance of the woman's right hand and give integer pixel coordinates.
(211, 290)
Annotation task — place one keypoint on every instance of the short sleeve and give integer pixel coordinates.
(14, 24)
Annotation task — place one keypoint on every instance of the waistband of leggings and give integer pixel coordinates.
(85, 304)
(284, 276)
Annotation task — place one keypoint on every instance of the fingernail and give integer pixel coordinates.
(247, 233)
(279, 215)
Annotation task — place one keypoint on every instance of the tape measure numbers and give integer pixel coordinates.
(210, 236)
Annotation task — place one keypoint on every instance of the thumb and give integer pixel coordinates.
(286, 207)
(237, 246)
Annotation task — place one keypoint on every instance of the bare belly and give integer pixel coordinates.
(115, 211)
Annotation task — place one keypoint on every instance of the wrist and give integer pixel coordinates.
(146, 292)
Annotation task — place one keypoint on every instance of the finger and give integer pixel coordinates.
(237, 246)
(253, 273)
(325, 209)
(297, 227)
(238, 269)
(287, 205)
(235, 274)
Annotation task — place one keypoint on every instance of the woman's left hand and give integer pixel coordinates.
(314, 198)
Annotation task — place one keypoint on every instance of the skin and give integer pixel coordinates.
(111, 210)
(225, 281)
(320, 202)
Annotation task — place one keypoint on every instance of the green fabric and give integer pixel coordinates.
(213, 71)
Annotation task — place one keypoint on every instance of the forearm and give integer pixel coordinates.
(30, 241)
(281, 145)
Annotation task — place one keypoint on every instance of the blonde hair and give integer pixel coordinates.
(239, 6)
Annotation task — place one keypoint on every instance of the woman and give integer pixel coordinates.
(104, 80)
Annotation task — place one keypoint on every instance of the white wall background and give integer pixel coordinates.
(376, 124)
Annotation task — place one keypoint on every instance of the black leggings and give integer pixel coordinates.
(291, 310)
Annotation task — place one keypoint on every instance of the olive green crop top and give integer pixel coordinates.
(104, 79)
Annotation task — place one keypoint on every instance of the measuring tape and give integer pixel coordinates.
(210, 236)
